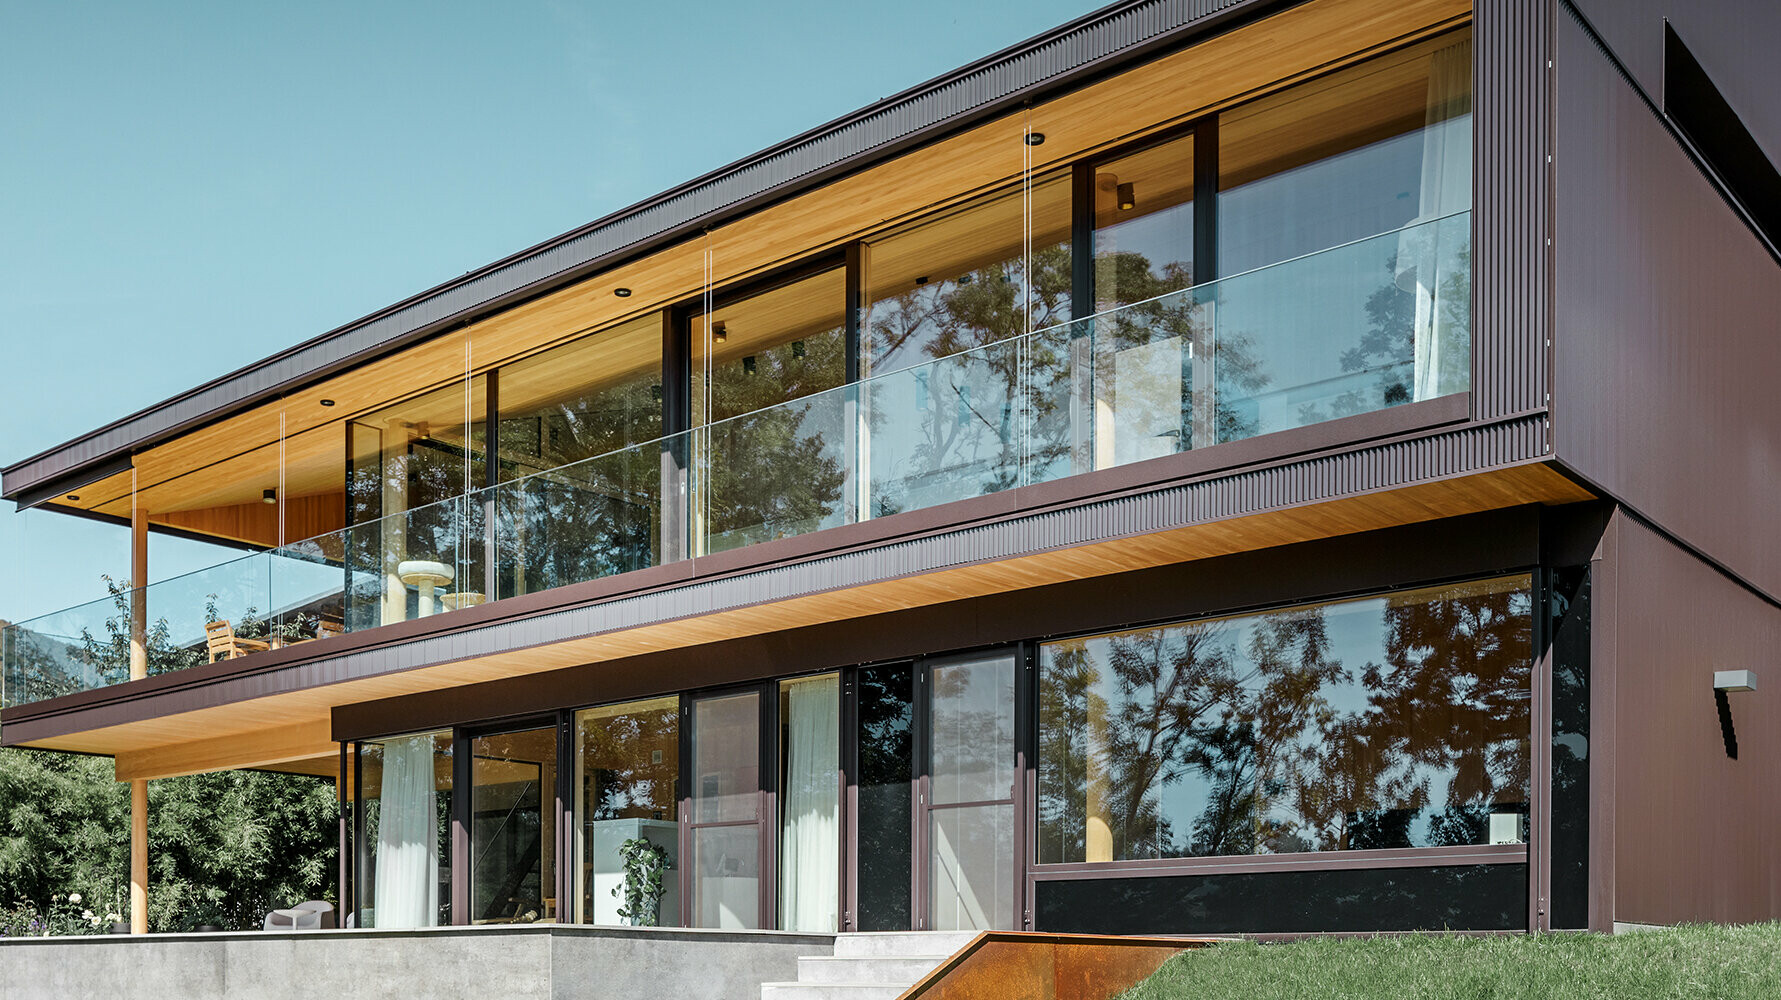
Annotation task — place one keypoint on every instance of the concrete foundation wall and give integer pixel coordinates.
(487, 963)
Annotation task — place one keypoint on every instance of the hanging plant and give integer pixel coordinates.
(643, 887)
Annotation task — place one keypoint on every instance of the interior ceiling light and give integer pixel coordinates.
(1128, 199)
(269, 496)
(623, 293)
(797, 348)
(922, 280)
(748, 365)
(1035, 138)
(718, 333)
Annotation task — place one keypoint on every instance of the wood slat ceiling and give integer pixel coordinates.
(1423, 502)
(216, 465)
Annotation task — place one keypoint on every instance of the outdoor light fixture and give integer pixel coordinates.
(718, 333)
(327, 402)
(922, 280)
(1734, 680)
(268, 496)
(72, 496)
(1035, 138)
(655, 393)
(797, 348)
(748, 365)
(623, 293)
(1128, 200)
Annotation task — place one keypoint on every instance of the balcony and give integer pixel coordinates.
(1357, 328)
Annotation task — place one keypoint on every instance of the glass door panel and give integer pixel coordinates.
(724, 813)
(513, 827)
(884, 841)
(970, 794)
(627, 760)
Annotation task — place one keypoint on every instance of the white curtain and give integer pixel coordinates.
(1446, 189)
(810, 860)
(407, 883)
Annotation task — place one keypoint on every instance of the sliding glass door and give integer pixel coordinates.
(967, 795)
(513, 830)
(724, 812)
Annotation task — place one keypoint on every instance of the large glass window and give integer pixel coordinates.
(627, 760)
(513, 842)
(970, 813)
(1349, 194)
(724, 827)
(1386, 722)
(774, 455)
(884, 845)
(578, 502)
(404, 869)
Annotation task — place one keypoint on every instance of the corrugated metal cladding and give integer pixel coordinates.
(929, 110)
(1512, 262)
(1384, 466)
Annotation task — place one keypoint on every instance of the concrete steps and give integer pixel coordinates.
(871, 966)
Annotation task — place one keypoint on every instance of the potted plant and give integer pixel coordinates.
(643, 888)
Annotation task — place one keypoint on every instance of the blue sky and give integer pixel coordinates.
(186, 188)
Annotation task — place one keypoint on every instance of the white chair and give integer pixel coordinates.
(324, 912)
(293, 920)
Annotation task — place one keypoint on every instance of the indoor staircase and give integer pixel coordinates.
(871, 966)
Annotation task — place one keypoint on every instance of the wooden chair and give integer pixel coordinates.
(225, 645)
(328, 630)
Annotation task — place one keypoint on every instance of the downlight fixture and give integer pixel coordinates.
(269, 496)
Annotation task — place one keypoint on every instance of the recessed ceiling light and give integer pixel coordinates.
(327, 402)
(73, 496)
(623, 293)
(1035, 138)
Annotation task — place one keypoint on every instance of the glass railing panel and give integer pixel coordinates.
(774, 473)
(233, 599)
(592, 519)
(67, 651)
(1358, 328)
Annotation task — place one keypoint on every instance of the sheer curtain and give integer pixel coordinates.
(1446, 189)
(809, 891)
(407, 886)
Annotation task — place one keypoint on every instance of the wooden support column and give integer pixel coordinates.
(138, 670)
(139, 856)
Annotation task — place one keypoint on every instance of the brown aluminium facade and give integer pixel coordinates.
(1185, 462)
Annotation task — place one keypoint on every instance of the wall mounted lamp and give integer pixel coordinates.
(1734, 680)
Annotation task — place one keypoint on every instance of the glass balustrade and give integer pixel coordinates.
(1357, 328)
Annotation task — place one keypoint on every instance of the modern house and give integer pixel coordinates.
(1219, 466)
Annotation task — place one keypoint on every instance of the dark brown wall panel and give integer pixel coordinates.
(1511, 192)
(1694, 830)
(1735, 41)
(1667, 330)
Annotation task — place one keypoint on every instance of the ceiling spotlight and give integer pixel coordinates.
(922, 280)
(748, 365)
(1128, 199)
(623, 293)
(797, 348)
(1035, 138)
(718, 333)
(327, 402)
(268, 496)
(73, 496)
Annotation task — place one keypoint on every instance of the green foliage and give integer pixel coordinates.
(643, 887)
(1696, 961)
(223, 848)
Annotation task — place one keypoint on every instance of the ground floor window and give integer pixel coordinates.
(1397, 721)
(627, 764)
(405, 862)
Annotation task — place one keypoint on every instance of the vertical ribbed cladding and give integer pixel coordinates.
(1512, 192)
(932, 109)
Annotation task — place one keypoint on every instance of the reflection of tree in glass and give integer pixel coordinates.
(1389, 344)
(626, 783)
(777, 470)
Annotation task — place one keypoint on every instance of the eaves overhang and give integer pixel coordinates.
(1063, 58)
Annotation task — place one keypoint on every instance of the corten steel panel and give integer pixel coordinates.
(1383, 466)
(1694, 829)
(1056, 60)
(1474, 546)
(1735, 41)
(999, 964)
(1667, 333)
(1511, 285)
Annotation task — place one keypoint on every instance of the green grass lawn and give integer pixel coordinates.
(1697, 961)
